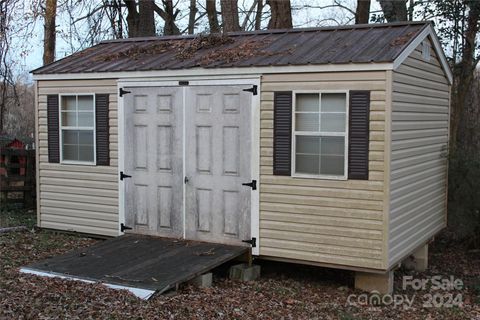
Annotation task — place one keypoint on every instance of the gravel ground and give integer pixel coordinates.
(284, 292)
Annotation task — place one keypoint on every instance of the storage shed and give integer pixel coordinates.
(324, 146)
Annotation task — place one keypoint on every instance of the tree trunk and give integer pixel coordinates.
(281, 14)
(191, 16)
(212, 17)
(169, 16)
(133, 18)
(230, 20)
(464, 72)
(49, 38)
(258, 15)
(362, 13)
(394, 10)
(146, 18)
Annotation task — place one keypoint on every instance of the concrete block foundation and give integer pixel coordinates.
(382, 283)
(245, 272)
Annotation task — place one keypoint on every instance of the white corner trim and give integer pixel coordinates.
(255, 167)
(429, 31)
(144, 294)
(121, 158)
(223, 73)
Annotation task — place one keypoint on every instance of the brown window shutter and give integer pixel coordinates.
(53, 129)
(358, 135)
(282, 133)
(102, 129)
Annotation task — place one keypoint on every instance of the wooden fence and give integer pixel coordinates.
(17, 177)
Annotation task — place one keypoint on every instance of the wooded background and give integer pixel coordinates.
(81, 24)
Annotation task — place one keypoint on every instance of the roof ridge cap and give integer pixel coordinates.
(271, 31)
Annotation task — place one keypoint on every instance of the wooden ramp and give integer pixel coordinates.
(142, 264)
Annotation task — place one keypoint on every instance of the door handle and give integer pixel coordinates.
(185, 180)
(252, 184)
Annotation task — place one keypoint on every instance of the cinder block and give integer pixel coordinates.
(382, 283)
(203, 281)
(244, 272)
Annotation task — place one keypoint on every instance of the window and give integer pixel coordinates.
(77, 128)
(426, 50)
(320, 134)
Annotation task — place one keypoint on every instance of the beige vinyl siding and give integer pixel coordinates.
(79, 198)
(420, 121)
(317, 220)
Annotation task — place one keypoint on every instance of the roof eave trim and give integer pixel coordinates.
(428, 31)
(234, 71)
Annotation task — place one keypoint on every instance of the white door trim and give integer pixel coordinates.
(255, 136)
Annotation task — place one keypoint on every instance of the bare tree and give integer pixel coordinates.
(464, 71)
(133, 18)
(147, 18)
(8, 91)
(281, 14)
(394, 10)
(362, 13)
(258, 15)
(230, 20)
(212, 16)
(169, 15)
(191, 16)
(50, 28)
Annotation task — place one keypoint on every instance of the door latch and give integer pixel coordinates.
(252, 184)
(252, 242)
(124, 176)
(124, 227)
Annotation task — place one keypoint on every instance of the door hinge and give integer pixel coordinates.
(124, 227)
(124, 176)
(252, 184)
(252, 242)
(122, 92)
(252, 90)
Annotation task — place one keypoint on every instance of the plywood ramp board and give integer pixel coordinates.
(139, 262)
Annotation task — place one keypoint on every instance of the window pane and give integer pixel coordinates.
(70, 137)
(85, 103)
(86, 138)
(69, 119)
(307, 102)
(306, 122)
(334, 102)
(333, 146)
(307, 145)
(77, 145)
(307, 164)
(70, 152)
(85, 119)
(332, 122)
(332, 157)
(86, 153)
(332, 165)
(69, 103)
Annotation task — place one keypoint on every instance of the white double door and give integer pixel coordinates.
(187, 150)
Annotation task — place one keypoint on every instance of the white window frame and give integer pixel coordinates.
(426, 50)
(61, 128)
(319, 134)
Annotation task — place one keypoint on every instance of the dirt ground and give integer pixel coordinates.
(284, 291)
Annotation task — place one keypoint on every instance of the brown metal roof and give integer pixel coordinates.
(312, 46)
